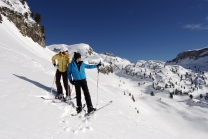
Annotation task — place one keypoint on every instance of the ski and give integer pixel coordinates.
(62, 100)
(91, 113)
(75, 114)
(54, 100)
(47, 98)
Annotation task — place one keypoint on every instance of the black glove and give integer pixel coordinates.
(73, 82)
(98, 65)
(55, 65)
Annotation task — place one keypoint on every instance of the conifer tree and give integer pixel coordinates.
(171, 95)
(42, 29)
(133, 98)
(31, 14)
(23, 2)
(37, 18)
(26, 15)
(0, 15)
(152, 94)
(0, 19)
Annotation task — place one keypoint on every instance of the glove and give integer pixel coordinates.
(72, 82)
(98, 65)
(55, 65)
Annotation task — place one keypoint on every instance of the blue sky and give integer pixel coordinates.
(131, 29)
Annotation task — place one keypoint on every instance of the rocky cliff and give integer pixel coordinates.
(191, 55)
(24, 22)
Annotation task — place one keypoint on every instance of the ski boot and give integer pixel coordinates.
(67, 98)
(79, 109)
(91, 109)
(59, 96)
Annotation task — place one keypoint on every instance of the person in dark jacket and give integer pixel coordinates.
(76, 70)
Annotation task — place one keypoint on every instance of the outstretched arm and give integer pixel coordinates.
(89, 66)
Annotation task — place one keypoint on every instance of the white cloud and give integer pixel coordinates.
(195, 27)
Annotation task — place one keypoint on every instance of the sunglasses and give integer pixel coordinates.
(64, 52)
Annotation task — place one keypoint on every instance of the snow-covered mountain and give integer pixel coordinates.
(19, 6)
(162, 76)
(27, 74)
(18, 12)
(191, 58)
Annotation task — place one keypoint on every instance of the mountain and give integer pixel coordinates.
(188, 59)
(18, 12)
(27, 74)
(171, 79)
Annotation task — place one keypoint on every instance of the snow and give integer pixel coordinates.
(17, 6)
(187, 62)
(27, 74)
(197, 49)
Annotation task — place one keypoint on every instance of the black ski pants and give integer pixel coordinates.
(65, 81)
(82, 84)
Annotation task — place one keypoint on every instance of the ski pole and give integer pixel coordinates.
(70, 89)
(97, 87)
(53, 82)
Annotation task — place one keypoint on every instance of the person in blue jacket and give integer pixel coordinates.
(76, 70)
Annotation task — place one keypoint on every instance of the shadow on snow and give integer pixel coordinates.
(35, 83)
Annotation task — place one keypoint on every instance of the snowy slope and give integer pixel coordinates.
(130, 74)
(26, 74)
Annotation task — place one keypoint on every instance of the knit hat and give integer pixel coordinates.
(64, 49)
(76, 55)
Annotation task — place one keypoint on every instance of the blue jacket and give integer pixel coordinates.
(77, 74)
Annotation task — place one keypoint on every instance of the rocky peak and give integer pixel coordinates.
(22, 20)
(192, 54)
(108, 54)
